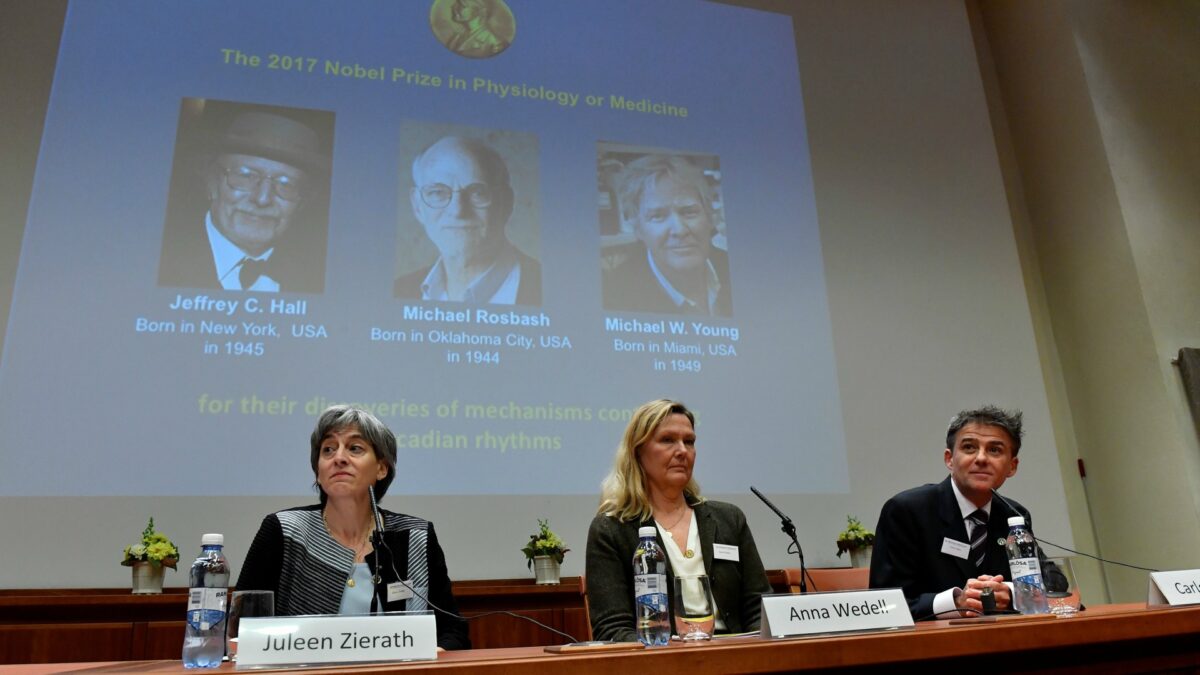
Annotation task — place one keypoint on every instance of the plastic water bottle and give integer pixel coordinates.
(1029, 590)
(650, 590)
(204, 633)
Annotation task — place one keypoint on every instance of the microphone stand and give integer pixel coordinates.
(377, 543)
(790, 530)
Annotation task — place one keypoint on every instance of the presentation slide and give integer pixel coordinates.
(500, 225)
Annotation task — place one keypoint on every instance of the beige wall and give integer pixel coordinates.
(1096, 104)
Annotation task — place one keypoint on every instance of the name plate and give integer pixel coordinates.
(297, 640)
(838, 612)
(1177, 587)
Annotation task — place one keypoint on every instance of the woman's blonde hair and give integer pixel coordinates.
(623, 493)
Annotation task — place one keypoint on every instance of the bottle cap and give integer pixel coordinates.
(647, 531)
(212, 540)
(1016, 520)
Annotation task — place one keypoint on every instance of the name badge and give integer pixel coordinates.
(397, 591)
(725, 552)
(958, 549)
(837, 612)
(294, 640)
(1177, 587)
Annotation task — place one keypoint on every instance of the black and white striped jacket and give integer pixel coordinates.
(294, 555)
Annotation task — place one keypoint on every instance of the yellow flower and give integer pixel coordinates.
(159, 550)
(155, 547)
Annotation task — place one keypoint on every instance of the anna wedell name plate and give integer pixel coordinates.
(295, 640)
(816, 613)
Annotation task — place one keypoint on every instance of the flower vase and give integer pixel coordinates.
(545, 569)
(147, 578)
(861, 557)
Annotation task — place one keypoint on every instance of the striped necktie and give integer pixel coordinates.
(979, 533)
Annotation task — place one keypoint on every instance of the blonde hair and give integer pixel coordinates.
(623, 493)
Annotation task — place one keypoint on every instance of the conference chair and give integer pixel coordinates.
(829, 578)
(587, 610)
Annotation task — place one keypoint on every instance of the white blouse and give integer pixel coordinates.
(684, 566)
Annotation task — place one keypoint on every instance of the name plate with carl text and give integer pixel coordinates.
(1174, 588)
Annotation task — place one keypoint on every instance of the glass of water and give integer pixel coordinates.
(1062, 594)
(694, 616)
(245, 605)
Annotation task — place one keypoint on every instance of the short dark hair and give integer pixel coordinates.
(381, 438)
(990, 416)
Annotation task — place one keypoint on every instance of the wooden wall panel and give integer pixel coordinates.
(111, 624)
(63, 643)
(114, 625)
(163, 640)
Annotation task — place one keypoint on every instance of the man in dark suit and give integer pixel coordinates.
(669, 204)
(943, 543)
(246, 225)
(463, 197)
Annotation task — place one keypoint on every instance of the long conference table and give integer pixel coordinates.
(1129, 638)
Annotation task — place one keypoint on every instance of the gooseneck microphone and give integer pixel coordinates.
(375, 509)
(790, 530)
(1017, 512)
(377, 544)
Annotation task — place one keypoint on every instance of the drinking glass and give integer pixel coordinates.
(1063, 602)
(246, 604)
(693, 608)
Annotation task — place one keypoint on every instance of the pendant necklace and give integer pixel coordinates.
(350, 575)
(687, 553)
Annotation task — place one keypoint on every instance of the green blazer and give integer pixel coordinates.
(737, 586)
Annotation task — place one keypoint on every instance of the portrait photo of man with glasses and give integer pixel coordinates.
(464, 201)
(249, 203)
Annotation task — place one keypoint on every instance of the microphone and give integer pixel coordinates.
(377, 543)
(1013, 509)
(790, 530)
(786, 521)
(375, 510)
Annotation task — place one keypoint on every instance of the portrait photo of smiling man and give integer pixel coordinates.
(662, 234)
(462, 205)
(249, 203)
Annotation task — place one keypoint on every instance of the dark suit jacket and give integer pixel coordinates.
(298, 263)
(737, 586)
(908, 545)
(528, 293)
(632, 286)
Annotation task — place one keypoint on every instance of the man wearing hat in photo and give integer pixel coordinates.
(260, 227)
